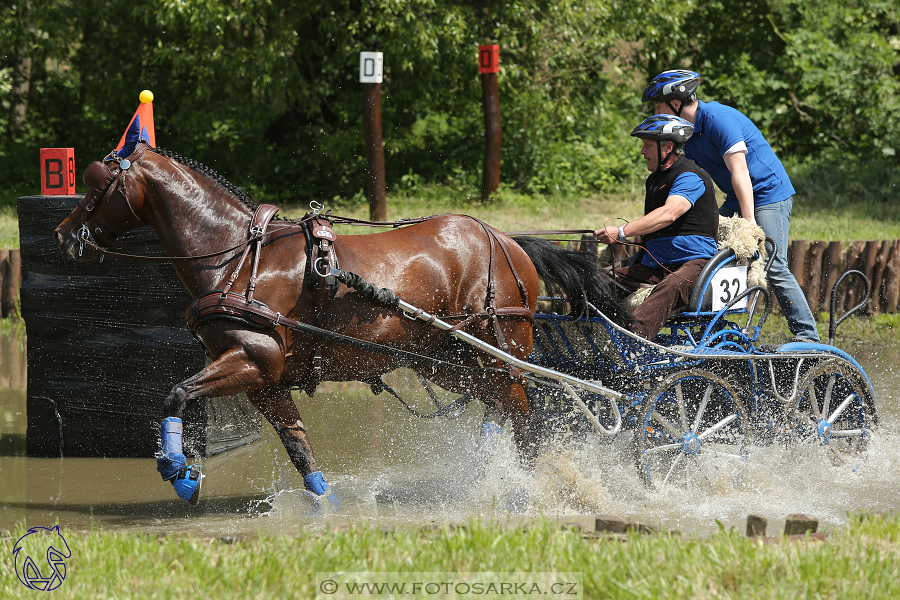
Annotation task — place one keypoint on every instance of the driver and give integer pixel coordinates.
(678, 229)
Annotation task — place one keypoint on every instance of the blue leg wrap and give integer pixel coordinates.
(490, 436)
(171, 459)
(315, 483)
(172, 464)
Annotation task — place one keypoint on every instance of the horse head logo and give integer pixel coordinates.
(50, 543)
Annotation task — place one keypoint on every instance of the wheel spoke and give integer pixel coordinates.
(837, 412)
(662, 448)
(702, 408)
(717, 426)
(665, 423)
(679, 398)
(827, 402)
(671, 469)
(809, 439)
(846, 433)
(725, 454)
(814, 401)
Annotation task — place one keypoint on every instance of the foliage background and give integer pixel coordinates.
(266, 91)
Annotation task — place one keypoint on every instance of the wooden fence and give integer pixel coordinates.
(10, 278)
(816, 265)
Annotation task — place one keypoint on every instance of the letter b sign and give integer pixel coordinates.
(57, 171)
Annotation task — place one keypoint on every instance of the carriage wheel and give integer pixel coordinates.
(692, 424)
(834, 410)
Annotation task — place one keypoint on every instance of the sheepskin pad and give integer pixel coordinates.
(745, 238)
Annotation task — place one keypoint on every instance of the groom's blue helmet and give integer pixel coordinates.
(672, 85)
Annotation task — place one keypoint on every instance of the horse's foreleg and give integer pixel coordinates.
(491, 426)
(279, 409)
(231, 373)
(522, 419)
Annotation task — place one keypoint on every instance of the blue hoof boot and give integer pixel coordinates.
(320, 489)
(187, 484)
(517, 501)
(490, 438)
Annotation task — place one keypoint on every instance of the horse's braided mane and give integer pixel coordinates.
(240, 193)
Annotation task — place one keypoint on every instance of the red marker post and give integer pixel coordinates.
(57, 171)
(371, 65)
(489, 66)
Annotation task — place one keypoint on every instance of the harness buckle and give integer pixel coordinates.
(277, 318)
(316, 207)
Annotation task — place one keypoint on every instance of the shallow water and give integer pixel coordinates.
(391, 468)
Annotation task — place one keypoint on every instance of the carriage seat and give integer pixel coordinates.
(740, 244)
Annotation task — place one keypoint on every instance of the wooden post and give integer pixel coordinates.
(4, 281)
(797, 259)
(489, 67)
(370, 76)
(870, 254)
(814, 274)
(878, 276)
(890, 285)
(851, 290)
(830, 265)
(15, 262)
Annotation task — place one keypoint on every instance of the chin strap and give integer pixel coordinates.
(659, 156)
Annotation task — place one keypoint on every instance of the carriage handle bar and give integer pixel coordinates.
(568, 382)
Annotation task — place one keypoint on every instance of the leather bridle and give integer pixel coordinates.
(105, 183)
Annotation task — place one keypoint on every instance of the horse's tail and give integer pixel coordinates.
(577, 274)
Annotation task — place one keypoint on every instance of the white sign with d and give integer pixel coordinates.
(371, 67)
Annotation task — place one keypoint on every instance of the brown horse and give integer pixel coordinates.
(444, 265)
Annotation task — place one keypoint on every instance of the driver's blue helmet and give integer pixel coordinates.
(664, 128)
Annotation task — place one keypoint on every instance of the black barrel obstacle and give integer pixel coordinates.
(106, 343)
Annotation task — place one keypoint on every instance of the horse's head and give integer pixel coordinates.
(113, 206)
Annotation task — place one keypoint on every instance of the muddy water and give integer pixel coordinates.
(394, 469)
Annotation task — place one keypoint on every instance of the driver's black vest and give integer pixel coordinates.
(700, 219)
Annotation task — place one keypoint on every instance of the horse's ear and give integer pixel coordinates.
(97, 176)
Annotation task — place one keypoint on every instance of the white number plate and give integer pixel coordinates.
(727, 284)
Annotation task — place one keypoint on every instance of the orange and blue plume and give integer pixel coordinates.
(140, 129)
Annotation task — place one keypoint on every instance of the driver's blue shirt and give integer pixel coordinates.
(720, 127)
(675, 251)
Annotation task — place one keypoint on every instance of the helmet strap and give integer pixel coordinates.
(674, 110)
(659, 156)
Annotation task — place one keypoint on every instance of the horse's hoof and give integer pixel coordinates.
(518, 500)
(187, 484)
(318, 489)
(490, 438)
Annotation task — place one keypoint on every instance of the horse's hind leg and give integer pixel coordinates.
(278, 408)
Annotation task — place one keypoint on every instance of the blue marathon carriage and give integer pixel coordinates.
(704, 389)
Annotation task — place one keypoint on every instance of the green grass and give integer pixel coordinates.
(856, 561)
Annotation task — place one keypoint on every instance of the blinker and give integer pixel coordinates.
(125, 164)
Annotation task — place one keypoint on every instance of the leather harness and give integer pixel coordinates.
(321, 259)
(105, 182)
